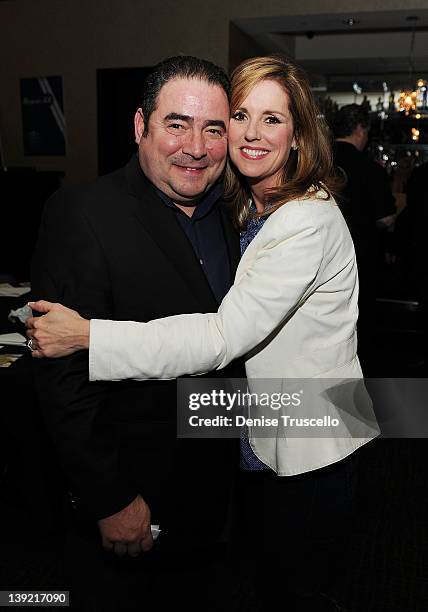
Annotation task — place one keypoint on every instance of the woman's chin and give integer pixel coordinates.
(251, 172)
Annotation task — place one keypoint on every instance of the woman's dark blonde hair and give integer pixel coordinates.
(310, 167)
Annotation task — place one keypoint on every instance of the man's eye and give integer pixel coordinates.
(238, 116)
(176, 126)
(215, 131)
(271, 119)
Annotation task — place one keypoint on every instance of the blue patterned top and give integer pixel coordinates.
(248, 460)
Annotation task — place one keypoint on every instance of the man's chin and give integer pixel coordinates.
(188, 196)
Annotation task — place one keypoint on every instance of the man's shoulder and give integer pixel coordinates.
(102, 186)
(98, 195)
(346, 151)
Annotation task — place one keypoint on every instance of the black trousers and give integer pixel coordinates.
(295, 530)
(188, 563)
(289, 543)
(182, 578)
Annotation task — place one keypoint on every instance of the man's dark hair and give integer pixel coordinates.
(183, 67)
(348, 118)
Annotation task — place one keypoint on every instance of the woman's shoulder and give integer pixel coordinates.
(316, 196)
(316, 215)
(314, 208)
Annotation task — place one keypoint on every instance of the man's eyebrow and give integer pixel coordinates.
(216, 122)
(189, 119)
(177, 117)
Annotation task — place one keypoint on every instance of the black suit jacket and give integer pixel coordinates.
(366, 197)
(113, 250)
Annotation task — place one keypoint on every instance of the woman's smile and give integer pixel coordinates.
(253, 153)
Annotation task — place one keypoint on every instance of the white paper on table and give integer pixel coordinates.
(22, 314)
(8, 290)
(14, 339)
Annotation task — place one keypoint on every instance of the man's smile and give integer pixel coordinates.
(195, 170)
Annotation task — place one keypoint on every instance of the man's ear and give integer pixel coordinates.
(139, 125)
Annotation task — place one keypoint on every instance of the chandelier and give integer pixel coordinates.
(410, 100)
(407, 101)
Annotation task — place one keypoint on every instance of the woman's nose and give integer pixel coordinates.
(252, 132)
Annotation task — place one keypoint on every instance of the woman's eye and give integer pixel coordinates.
(271, 119)
(238, 116)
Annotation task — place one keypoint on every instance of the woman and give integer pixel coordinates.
(292, 309)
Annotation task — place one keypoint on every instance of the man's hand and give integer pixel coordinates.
(128, 531)
(60, 332)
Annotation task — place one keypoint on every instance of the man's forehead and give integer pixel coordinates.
(191, 91)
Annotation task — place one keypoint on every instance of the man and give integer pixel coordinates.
(150, 240)
(367, 195)
(366, 198)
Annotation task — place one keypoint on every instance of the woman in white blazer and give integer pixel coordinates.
(292, 311)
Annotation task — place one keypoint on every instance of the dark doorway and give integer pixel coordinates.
(118, 97)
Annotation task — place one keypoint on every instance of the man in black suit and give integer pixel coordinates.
(150, 240)
(365, 199)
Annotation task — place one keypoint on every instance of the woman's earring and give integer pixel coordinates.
(294, 147)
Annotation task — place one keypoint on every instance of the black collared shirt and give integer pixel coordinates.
(205, 231)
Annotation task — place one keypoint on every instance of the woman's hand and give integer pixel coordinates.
(59, 332)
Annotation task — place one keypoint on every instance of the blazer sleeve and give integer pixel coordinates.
(287, 259)
(68, 266)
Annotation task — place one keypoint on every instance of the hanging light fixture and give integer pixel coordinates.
(407, 98)
(407, 101)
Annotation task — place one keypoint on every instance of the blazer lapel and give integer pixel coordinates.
(161, 224)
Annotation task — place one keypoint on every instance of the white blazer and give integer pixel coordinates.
(292, 311)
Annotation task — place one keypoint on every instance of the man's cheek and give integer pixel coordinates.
(170, 145)
(218, 149)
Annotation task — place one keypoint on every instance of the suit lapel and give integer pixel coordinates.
(232, 237)
(160, 222)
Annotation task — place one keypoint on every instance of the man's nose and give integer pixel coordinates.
(195, 145)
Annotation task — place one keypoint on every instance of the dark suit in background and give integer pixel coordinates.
(366, 197)
(114, 250)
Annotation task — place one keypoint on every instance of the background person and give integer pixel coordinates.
(365, 199)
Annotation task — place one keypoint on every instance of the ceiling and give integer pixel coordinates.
(336, 50)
